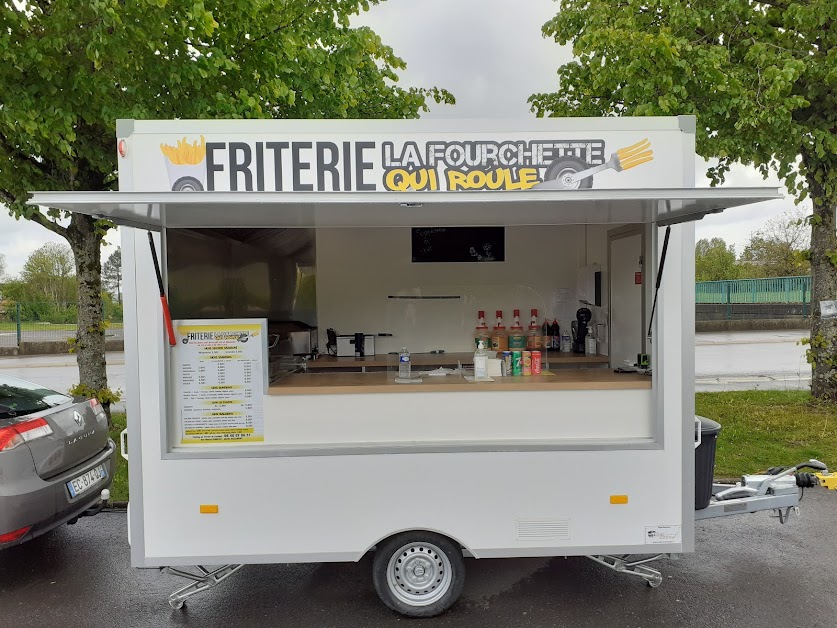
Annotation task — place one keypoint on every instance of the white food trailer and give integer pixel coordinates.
(251, 442)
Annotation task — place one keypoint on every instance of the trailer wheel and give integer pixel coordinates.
(418, 574)
(563, 168)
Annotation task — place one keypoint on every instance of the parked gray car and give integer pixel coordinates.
(56, 460)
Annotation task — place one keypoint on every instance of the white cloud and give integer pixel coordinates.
(19, 238)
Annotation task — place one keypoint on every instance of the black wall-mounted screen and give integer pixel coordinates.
(459, 244)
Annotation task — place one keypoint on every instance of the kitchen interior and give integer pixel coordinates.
(344, 304)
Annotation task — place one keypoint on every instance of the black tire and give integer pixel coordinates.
(570, 165)
(441, 564)
(187, 184)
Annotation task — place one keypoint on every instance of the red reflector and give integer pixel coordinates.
(94, 403)
(14, 536)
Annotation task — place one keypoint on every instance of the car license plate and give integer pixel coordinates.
(87, 480)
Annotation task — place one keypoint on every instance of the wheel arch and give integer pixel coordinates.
(467, 551)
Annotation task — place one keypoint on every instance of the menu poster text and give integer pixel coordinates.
(220, 366)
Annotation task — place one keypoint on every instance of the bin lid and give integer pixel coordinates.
(708, 427)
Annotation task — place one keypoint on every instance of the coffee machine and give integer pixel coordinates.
(579, 328)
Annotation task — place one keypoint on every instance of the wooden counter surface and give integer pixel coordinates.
(441, 359)
(382, 382)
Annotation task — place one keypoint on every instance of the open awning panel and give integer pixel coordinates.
(155, 210)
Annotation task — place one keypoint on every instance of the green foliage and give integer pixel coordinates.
(715, 260)
(760, 76)
(105, 395)
(46, 289)
(779, 248)
(112, 274)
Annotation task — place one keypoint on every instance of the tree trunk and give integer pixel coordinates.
(90, 337)
(822, 352)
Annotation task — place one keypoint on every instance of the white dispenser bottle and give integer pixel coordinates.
(480, 361)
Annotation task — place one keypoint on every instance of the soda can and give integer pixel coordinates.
(517, 363)
(507, 363)
(527, 362)
(536, 363)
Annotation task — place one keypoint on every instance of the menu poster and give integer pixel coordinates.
(221, 370)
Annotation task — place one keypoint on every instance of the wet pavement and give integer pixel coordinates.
(749, 571)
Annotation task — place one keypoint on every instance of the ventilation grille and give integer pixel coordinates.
(543, 530)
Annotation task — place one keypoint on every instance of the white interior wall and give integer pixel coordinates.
(358, 268)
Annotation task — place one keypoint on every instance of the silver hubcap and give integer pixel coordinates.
(419, 574)
(566, 178)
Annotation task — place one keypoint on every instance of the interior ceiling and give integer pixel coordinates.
(285, 241)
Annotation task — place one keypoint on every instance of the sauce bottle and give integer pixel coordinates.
(481, 332)
(535, 336)
(517, 337)
(499, 337)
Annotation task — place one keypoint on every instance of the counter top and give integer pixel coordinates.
(382, 382)
(441, 359)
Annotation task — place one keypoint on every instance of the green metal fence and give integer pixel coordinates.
(770, 290)
(49, 322)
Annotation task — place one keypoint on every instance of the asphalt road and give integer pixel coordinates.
(748, 572)
(751, 360)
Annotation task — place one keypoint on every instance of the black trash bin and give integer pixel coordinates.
(705, 461)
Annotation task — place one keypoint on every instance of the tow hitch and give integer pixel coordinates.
(779, 489)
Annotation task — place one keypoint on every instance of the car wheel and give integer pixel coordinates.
(418, 574)
(187, 184)
(561, 171)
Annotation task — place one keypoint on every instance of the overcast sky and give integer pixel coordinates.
(491, 55)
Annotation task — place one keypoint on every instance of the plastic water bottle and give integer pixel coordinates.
(480, 361)
(404, 364)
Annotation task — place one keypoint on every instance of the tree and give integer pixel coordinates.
(780, 248)
(715, 260)
(68, 70)
(49, 275)
(112, 274)
(761, 77)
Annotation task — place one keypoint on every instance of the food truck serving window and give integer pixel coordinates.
(293, 337)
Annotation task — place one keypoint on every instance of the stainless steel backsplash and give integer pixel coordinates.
(242, 273)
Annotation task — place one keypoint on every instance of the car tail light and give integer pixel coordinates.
(14, 536)
(19, 433)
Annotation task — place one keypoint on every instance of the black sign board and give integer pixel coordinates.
(459, 244)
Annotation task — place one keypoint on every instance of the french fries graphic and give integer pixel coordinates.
(632, 156)
(185, 153)
(186, 165)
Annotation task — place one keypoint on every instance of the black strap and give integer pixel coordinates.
(659, 278)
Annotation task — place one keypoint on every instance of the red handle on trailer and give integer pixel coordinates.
(167, 320)
(163, 300)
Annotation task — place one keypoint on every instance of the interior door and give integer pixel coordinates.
(627, 336)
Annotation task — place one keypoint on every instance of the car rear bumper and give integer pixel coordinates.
(46, 504)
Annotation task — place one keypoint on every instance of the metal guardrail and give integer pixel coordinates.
(731, 295)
